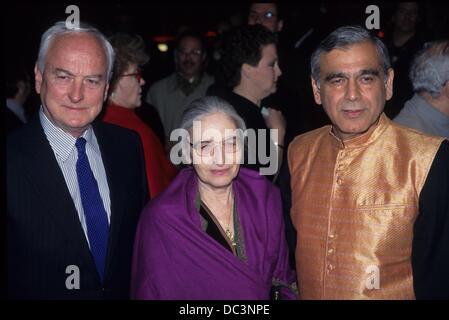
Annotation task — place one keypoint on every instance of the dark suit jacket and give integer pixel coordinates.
(12, 122)
(44, 233)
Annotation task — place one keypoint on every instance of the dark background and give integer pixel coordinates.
(24, 23)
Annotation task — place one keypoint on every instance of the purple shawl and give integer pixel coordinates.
(175, 259)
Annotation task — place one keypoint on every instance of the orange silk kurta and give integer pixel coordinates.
(354, 205)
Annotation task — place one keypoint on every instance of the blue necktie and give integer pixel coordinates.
(96, 216)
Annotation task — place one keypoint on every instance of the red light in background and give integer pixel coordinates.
(381, 34)
(211, 34)
(163, 38)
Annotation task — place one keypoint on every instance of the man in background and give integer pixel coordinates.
(171, 95)
(428, 109)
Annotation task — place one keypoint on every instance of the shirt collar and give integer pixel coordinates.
(62, 142)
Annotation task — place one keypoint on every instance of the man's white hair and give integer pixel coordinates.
(59, 29)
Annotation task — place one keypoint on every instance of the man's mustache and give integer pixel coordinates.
(188, 63)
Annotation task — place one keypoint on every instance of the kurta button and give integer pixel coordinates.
(339, 180)
(331, 236)
(330, 250)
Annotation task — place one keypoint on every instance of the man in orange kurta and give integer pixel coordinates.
(370, 199)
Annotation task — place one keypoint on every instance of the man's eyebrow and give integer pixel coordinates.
(63, 71)
(331, 76)
(100, 76)
(373, 72)
(364, 72)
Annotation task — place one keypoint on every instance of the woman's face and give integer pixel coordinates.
(128, 91)
(264, 76)
(216, 150)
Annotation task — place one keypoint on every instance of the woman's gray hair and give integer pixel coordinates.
(342, 38)
(203, 107)
(59, 29)
(208, 105)
(429, 71)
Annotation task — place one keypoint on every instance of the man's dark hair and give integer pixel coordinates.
(244, 45)
(190, 34)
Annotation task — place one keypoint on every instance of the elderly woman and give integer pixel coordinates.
(125, 97)
(251, 69)
(217, 231)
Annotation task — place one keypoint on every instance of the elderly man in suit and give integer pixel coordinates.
(75, 186)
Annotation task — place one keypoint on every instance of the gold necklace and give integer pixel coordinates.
(228, 232)
(230, 236)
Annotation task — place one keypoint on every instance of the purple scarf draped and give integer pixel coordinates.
(175, 259)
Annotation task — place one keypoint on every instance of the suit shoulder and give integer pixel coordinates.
(17, 140)
(125, 141)
(117, 132)
(21, 133)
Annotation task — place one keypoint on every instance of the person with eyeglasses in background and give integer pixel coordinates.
(217, 231)
(171, 95)
(125, 97)
(266, 14)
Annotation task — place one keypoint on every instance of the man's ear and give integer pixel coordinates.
(246, 70)
(106, 92)
(37, 79)
(316, 91)
(389, 84)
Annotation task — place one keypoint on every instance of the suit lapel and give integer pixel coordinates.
(48, 182)
(111, 156)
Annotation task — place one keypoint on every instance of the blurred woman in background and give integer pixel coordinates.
(125, 96)
(251, 70)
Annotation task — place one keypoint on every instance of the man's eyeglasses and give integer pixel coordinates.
(137, 75)
(262, 16)
(207, 148)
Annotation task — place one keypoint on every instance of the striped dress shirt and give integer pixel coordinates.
(66, 153)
